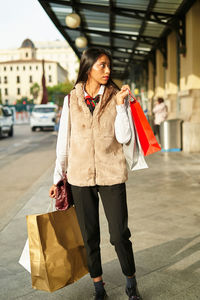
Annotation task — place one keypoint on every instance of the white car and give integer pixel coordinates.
(43, 116)
(6, 121)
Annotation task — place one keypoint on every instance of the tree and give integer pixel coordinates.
(57, 92)
(34, 90)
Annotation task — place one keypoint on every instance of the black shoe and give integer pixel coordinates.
(100, 296)
(133, 293)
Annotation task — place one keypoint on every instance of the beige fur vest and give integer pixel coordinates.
(95, 156)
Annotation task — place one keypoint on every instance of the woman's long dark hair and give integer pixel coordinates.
(88, 58)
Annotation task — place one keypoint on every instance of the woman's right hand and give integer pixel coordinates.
(53, 191)
(122, 94)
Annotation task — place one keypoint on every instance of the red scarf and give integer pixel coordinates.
(92, 102)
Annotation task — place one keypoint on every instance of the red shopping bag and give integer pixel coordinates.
(147, 138)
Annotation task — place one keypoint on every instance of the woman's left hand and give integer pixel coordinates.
(122, 94)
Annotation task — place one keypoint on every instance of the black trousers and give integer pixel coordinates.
(113, 197)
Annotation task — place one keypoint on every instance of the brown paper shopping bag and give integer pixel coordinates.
(57, 252)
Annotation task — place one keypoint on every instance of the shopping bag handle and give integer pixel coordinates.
(132, 96)
(51, 206)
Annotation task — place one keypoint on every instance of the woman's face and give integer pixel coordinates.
(100, 71)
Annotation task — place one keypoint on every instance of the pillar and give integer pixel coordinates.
(160, 75)
(190, 81)
(171, 76)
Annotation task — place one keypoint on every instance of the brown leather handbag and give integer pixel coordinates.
(64, 197)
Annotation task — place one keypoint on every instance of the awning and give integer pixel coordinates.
(130, 29)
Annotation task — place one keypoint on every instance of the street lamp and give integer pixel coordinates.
(81, 42)
(73, 20)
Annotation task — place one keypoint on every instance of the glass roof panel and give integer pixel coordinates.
(118, 68)
(99, 39)
(57, 8)
(167, 6)
(143, 47)
(134, 4)
(120, 54)
(120, 61)
(138, 57)
(153, 29)
(127, 24)
(102, 2)
(122, 43)
(95, 19)
(61, 12)
(73, 33)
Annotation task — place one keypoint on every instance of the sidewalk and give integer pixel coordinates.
(164, 218)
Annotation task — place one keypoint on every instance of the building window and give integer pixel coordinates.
(26, 54)
(6, 92)
(49, 67)
(18, 79)
(24, 68)
(17, 68)
(4, 68)
(30, 68)
(18, 91)
(10, 68)
(30, 79)
(5, 79)
(36, 67)
(50, 78)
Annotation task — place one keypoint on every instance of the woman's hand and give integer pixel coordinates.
(121, 95)
(53, 191)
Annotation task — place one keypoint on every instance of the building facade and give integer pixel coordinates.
(174, 74)
(21, 68)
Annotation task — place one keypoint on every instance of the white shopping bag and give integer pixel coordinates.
(25, 257)
(132, 150)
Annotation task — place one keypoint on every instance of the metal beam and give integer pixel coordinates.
(54, 19)
(111, 21)
(177, 21)
(145, 39)
(142, 28)
(132, 13)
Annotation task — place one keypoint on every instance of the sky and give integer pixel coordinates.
(21, 19)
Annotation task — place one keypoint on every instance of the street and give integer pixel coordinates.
(24, 158)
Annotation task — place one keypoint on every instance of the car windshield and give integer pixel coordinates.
(44, 109)
(6, 112)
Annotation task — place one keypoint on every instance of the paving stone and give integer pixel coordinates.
(164, 219)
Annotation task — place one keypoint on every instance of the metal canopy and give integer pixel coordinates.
(130, 29)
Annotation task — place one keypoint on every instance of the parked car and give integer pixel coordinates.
(43, 116)
(6, 121)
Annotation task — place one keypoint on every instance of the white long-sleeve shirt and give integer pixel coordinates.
(160, 111)
(122, 133)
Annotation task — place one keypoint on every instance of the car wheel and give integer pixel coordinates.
(11, 131)
(33, 128)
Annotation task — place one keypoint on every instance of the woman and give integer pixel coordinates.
(160, 112)
(95, 163)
